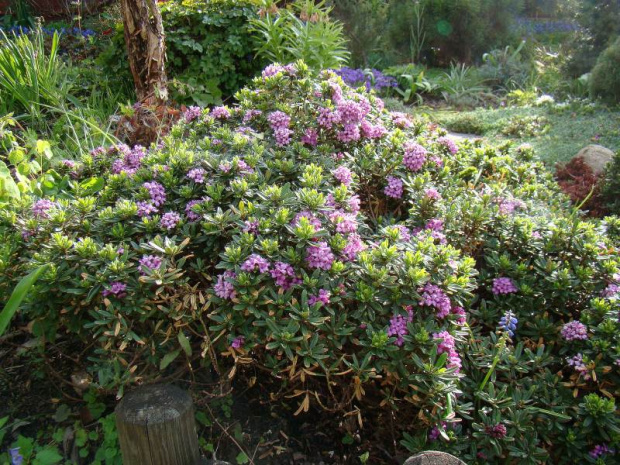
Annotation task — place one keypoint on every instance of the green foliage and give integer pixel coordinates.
(209, 46)
(525, 126)
(505, 68)
(605, 78)
(611, 185)
(30, 76)
(458, 30)
(302, 31)
(19, 294)
(364, 254)
(364, 24)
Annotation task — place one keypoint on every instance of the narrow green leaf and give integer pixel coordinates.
(19, 293)
(168, 359)
(184, 343)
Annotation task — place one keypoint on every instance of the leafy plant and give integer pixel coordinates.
(605, 77)
(414, 86)
(459, 83)
(505, 68)
(30, 76)
(303, 31)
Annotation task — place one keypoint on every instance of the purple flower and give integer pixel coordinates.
(398, 326)
(345, 222)
(579, 366)
(41, 207)
(224, 289)
(197, 175)
(448, 144)
(156, 192)
(354, 203)
(403, 233)
(284, 275)
(372, 131)
(460, 312)
(250, 227)
(69, 164)
(283, 136)
(327, 118)
(401, 120)
(221, 112)
(170, 220)
(322, 297)
(503, 286)
(497, 431)
(320, 256)
(151, 262)
(189, 210)
(310, 137)
(343, 174)
(349, 133)
(146, 209)
(237, 342)
(414, 157)
(279, 120)
(575, 331)
(448, 345)
(251, 114)
(192, 113)
(394, 189)
(272, 70)
(434, 224)
(350, 112)
(353, 248)
(432, 194)
(117, 289)
(255, 261)
(313, 220)
(600, 450)
(611, 291)
(225, 167)
(433, 296)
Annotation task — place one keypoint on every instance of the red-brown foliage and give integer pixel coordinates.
(577, 180)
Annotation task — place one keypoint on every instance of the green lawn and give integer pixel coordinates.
(561, 133)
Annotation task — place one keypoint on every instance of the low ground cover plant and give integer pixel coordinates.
(348, 259)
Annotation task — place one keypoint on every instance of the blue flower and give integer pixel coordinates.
(16, 457)
(508, 323)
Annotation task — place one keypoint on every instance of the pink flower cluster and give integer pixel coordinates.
(170, 220)
(503, 286)
(414, 157)
(130, 161)
(41, 207)
(320, 256)
(343, 174)
(575, 331)
(197, 175)
(191, 114)
(394, 189)
(398, 326)
(221, 113)
(117, 289)
(448, 345)
(255, 261)
(224, 288)
(579, 366)
(284, 275)
(433, 296)
(322, 297)
(353, 248)
(280, 122)
(448, 144)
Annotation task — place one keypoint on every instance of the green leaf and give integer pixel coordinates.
(62, 413)
(8, 187)
(92, 185)
(184, 343)
(19, 293)
(44, 148)
(242, 458)
(47, 456)
(168, 359)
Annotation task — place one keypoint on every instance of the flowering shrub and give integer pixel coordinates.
(351, 254)
(369, 78)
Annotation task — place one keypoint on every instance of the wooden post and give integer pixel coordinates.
(156, 426)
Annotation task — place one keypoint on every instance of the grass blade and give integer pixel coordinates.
(18, 295)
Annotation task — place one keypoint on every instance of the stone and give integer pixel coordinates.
(432, 457)
(596, 157)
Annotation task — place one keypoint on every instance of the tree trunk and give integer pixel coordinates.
(144, 36)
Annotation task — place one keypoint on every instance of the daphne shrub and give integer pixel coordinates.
(355, 257)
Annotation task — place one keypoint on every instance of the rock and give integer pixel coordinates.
(596, 157)
(432, 457)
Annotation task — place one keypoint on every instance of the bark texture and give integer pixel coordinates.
(146, 49)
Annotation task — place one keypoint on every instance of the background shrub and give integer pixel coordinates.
(209, 46)
(611, 185)
(605, 78)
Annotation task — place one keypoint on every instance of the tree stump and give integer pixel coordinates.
(156, 426)
(433, 457)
